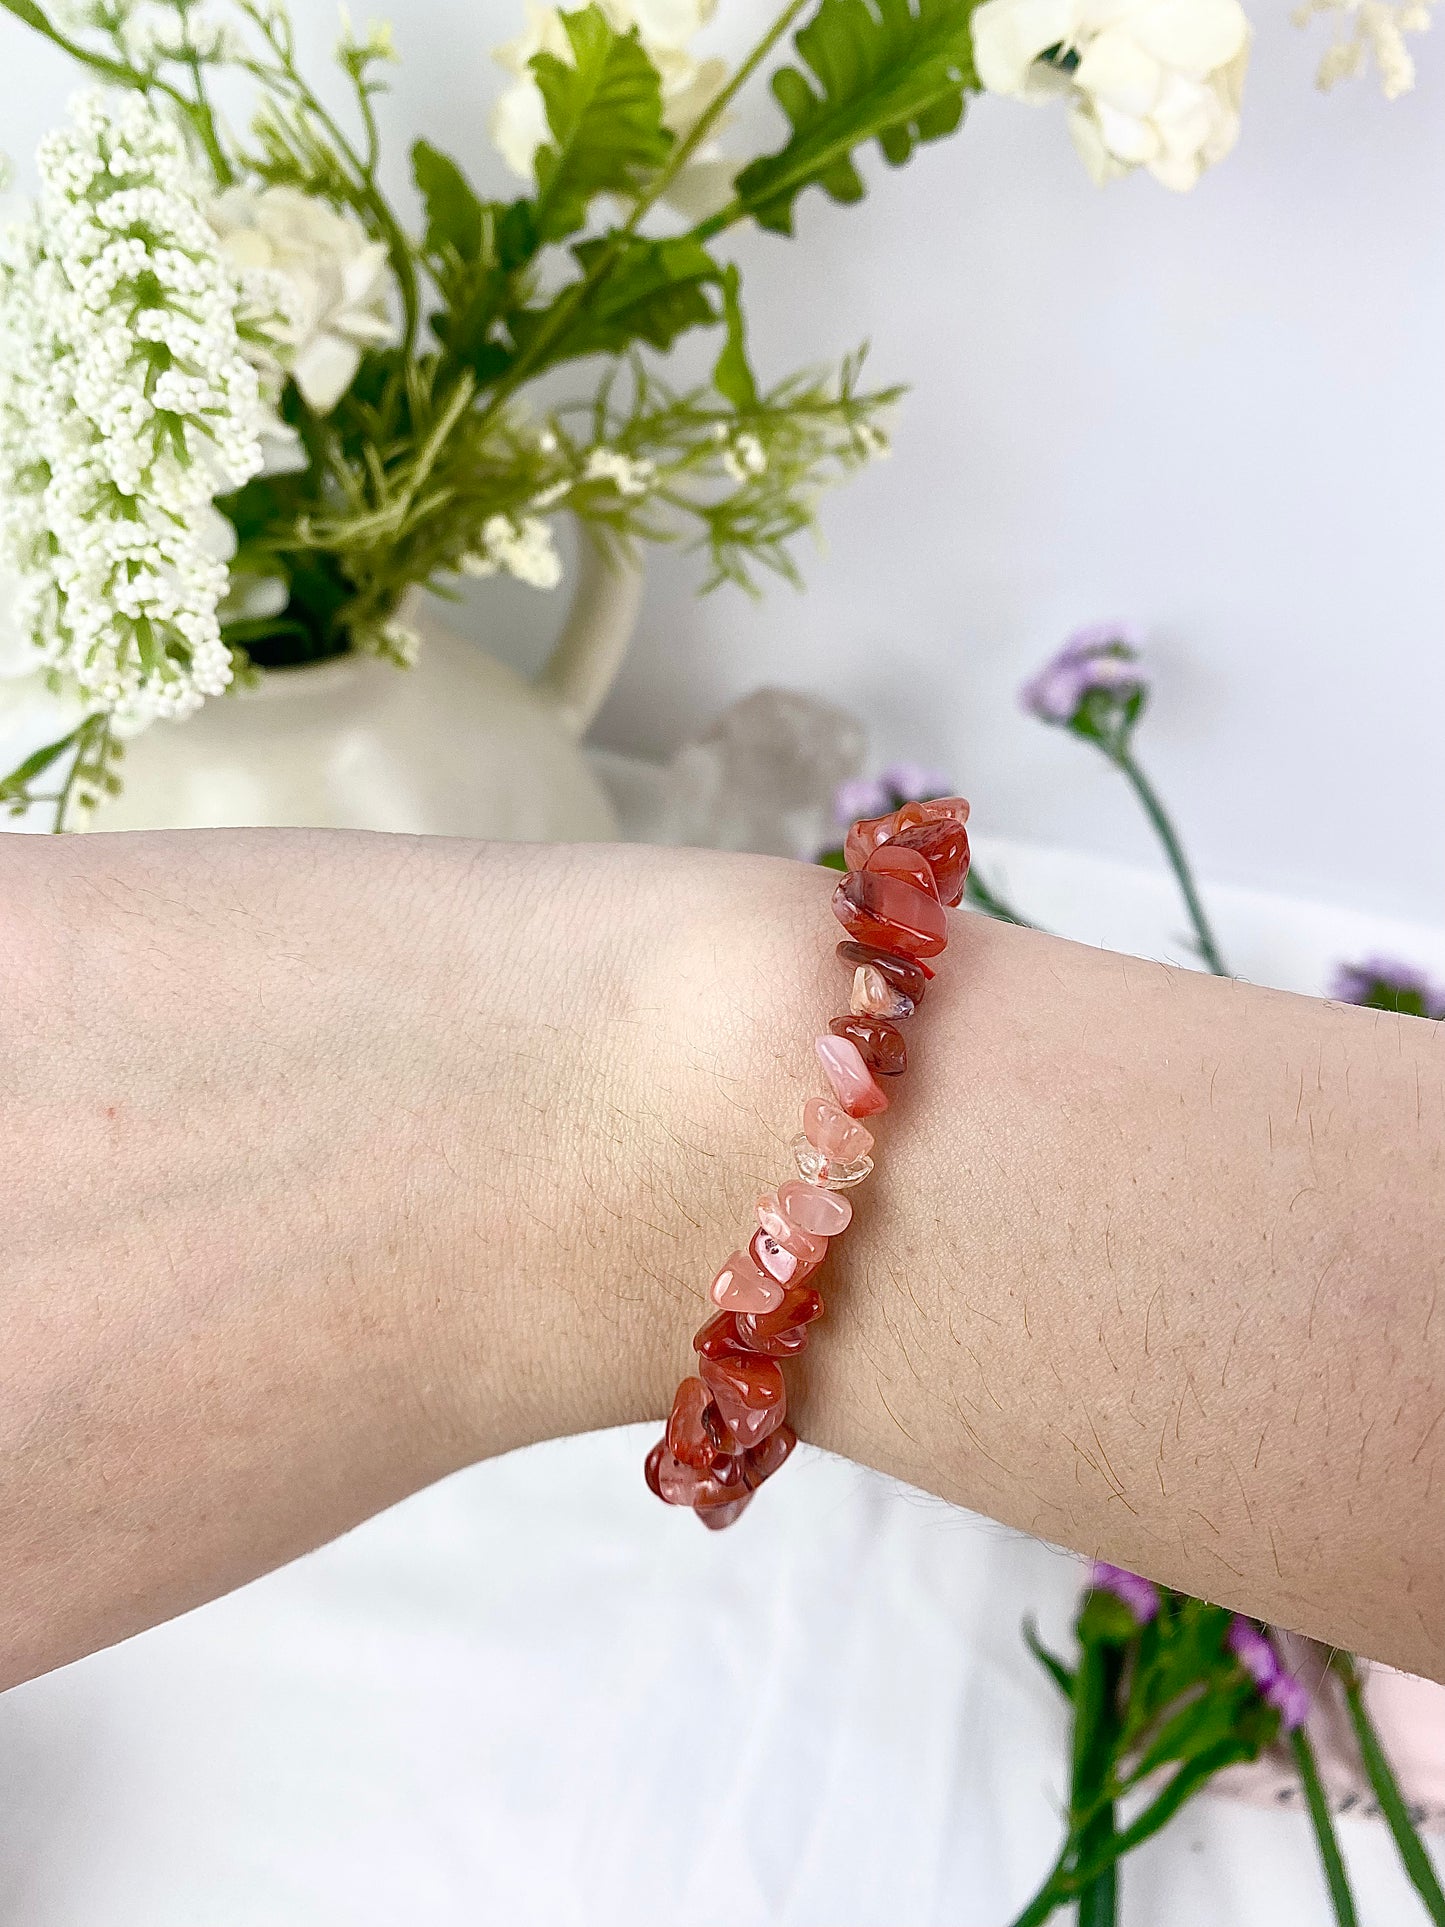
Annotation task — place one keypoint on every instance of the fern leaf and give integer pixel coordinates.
(894, 71)
(604, 109)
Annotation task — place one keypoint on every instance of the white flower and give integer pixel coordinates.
(744, 456)
(337, 281)
(664, 27)
(1379, 29)
(126, 405)
(629, 474)
(1151, 83)
(522, 546)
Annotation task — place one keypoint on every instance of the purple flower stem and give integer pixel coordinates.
(1386, 1789)
(1331, 1859)
(1163, 828)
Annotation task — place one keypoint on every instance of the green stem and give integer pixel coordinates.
(1336, 1879)
(563, 310)
(1096, 1687)
(397, 246)
(1386, 1789)
(1179, 863)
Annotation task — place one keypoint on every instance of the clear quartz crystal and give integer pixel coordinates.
(834, 1174)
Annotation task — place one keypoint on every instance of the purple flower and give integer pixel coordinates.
(1139, 1595)
(861, 796)
(1278, 1687)
(1386, 983)
(1100, 660)
(1290, 1698)
(912, 782)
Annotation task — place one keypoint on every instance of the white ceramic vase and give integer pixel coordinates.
(458, 745)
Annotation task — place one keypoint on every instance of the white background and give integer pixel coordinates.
(1222, 415)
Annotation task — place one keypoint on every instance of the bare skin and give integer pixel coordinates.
(335, 1163)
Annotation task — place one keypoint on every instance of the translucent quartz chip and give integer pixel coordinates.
(835, 1174)
(873, 995)
(750, 1395)
(741, 1286)
(880, 1044)
(809, 1251)
(813, 1210)
(850, 1077)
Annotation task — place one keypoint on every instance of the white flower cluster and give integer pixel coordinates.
(520, 545)
(1150, 83)
(126, 406)
(743, 455)
(630, 475)
(1377, 30)
(664, 27)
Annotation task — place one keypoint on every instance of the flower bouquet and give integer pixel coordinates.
(247, 404)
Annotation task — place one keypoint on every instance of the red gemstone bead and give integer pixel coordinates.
(762, 1461)
(719, 1336)
(680, 1484)
(890, 913)
(750, 1394)
(895, 860)
(880, 1043)
(767, 1332)
(802, 1305)
(694, 1431)
(867, 834)
(650, 1465)
(944, 847)
(909, 977)
(715, 1517)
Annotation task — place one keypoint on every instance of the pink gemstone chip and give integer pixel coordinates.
(822, 1213)
(808, 1250)
(850, 1077)
(741, 1286)
(839, 1137)
(770, 1256)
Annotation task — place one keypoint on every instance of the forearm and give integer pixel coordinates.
(339, 1162)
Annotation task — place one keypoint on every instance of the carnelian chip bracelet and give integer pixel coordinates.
(728, 1428)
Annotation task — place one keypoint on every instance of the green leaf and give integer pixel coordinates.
(653, 293)
(894, 71)
(604, 108)
(733, 376)
(453, 212)
(39, 760)
(1051, 1663)
(1185, 1783)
